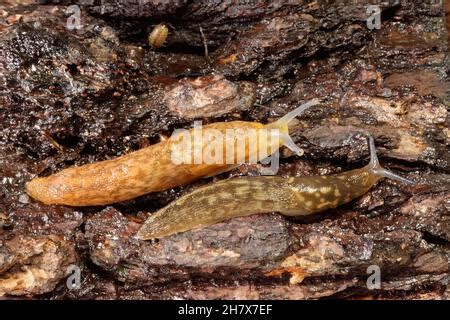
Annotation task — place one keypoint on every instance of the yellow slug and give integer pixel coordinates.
(158, 167)
(291, 196)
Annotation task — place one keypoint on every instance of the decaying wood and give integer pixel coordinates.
(76, 96)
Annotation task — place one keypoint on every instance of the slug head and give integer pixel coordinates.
(282, 126)
(377, 170)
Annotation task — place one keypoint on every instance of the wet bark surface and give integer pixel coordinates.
(70, 97)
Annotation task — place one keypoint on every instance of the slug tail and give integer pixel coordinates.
(282, 125)
(378, 170)
(155, 227)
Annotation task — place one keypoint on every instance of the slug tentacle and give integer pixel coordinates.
(283, 121)
(378, 170)
(290, 144)
(282, 125)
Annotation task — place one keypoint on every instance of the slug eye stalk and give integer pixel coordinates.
(282, 125)
(378, 170)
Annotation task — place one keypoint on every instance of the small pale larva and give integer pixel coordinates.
(158, 36)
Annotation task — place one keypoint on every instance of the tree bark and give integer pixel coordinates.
(74, 96)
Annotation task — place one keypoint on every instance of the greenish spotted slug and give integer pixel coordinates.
(290, 196)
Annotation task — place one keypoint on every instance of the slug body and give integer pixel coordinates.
(158, 36)
(292, 196)
(155, 168)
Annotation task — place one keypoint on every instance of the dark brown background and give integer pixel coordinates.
(74, 97)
